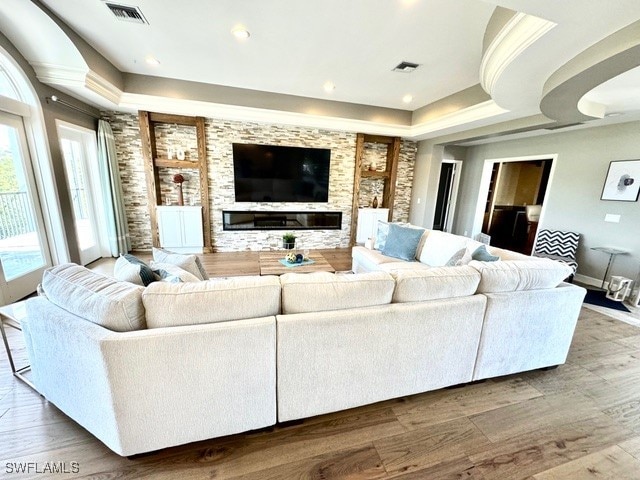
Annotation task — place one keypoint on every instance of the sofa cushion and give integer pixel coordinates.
(323, 291)
(398, 265)
(95, 297)
(439, 247)
(190, 263)
(168, 272)
(507, 254)
(513, 275)
(402, 241)
(129, 268)
(193, 303)
(369, 260)
(435, 283)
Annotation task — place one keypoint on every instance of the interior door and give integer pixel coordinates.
(443, 198)
(24, 251)
(82, 191)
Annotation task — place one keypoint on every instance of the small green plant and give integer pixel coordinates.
(288, 240)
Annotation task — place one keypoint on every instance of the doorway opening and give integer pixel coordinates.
(512, 197)
(447, 195)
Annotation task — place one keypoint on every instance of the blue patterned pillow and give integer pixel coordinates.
(402, 242)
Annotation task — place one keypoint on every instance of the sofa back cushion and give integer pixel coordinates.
(439, 247)
(211, 301)
(435, 283)
(99, 299)
(508, 254)
(323, 291)
(513, 275)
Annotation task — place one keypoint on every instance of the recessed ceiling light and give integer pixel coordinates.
(152, 60)
(240, 32)
(613, 114)
(407, 98)
(329, 87)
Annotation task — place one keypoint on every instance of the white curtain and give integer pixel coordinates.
(117, 228)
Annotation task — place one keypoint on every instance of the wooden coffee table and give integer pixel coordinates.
(270, 264)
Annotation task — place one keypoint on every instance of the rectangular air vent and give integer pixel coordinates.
(127, 13)
(405, 67)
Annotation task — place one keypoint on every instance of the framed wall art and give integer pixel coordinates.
(622, 182)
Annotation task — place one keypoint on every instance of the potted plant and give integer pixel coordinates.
(288, 241)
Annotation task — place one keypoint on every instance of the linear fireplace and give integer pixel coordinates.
(276, 220)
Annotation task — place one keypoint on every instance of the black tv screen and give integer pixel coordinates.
(270, 173)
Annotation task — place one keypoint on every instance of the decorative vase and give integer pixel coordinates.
(374, 204)
(180, 197)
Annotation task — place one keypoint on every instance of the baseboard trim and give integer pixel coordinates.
(594, 282)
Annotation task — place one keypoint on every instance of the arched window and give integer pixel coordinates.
(7, 86)
(27, 188)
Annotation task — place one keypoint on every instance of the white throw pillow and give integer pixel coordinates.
(168, 272)
(439, 247)
(190, 263)
(129, 268)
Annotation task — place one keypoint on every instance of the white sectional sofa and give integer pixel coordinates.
(148, 368)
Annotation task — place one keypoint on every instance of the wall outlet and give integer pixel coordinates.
(418, 200)
(610, 217)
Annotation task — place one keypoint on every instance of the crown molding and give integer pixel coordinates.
(103, 87)
(134, 102)
(520, 32)
(60, 75)
(464, 116)
(87, 85)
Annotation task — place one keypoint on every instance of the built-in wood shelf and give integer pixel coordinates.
(374, 174)
(173, 163)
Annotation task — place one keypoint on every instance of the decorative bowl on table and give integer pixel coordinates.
(294, 258)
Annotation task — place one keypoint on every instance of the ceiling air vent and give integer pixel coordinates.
(126, 13)
(405, 67)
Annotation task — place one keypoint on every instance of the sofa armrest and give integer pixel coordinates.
(150, 389)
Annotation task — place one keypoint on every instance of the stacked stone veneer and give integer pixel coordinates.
(220, 135)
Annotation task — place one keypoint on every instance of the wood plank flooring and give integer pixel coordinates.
(579, 421)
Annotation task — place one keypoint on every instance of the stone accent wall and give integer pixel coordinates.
(220, 135)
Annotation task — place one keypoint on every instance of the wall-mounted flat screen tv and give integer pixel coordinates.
(271, 173)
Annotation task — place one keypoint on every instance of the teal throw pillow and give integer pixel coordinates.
(402, 242)
(482, 255)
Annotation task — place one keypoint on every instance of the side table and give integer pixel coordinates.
(612, 252)
(11, 316)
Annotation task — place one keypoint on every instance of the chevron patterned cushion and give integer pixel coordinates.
(558, 245)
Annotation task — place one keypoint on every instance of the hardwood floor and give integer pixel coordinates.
(229, 264)
(579, 421)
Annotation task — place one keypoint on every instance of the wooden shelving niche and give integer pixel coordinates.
(388, 175)
(153, 162)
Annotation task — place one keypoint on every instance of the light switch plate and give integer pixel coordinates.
(610, 217)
